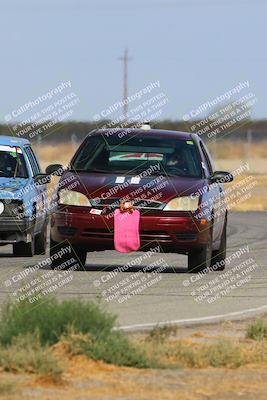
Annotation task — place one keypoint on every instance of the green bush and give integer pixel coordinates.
(113, 348)
(51, 318)
(257, 330)
(162, 333)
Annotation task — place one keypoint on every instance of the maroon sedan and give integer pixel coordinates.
(168, 176)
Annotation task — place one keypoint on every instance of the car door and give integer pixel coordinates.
(216, 195)
(39, 194)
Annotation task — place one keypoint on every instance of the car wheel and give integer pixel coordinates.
(218, 256)
(40, 240)
(22, 249)
(62, 253)
(200, 259)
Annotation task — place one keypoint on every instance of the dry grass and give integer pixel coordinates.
(230, 150)
(53, 154)
(25, 354)
(250, 196)
(7, 388)
(170, 352)
(223, 353)
(203, 351)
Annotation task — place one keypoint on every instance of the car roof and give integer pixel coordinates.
(13, 141)
(161, 133)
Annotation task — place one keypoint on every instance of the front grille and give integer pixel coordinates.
(8, 224)
(155, 235)
(186, 236)
(97, 233)
(149, 204)
(113, 203)
(144, 235)
(12, 208)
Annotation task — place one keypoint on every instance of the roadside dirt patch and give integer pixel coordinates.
(88, 379)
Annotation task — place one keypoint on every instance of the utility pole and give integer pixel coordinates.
(248, 144)
(125, 60)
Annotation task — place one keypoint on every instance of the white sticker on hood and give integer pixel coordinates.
(135, 180)
(95, 211)
(120, 179)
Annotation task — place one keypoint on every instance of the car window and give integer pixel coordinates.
(138, 153)
(34, 165)
(12, 162)
(35, 160)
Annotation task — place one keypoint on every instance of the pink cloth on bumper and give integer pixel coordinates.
(126, 231)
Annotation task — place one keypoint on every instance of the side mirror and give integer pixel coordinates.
(42, 179)
(221, 177)
(55, 169)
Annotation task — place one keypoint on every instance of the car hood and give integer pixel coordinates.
(11, 187)
(98, 185)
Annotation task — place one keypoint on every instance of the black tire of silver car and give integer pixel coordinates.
(218, 256)
(79, 255)
(40, 240)
(200, 259)
(22, 249)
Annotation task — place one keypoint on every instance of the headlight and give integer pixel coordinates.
(182, 204)
(72, 198)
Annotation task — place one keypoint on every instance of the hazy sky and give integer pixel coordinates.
(197, 49)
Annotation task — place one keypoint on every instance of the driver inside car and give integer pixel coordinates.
(7, 163)
(10, 165)
(177, 160)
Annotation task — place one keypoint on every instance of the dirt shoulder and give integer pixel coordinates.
(87, 379)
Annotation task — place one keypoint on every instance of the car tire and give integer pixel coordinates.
(218, 256)
(200, 259)
(78, 254)
(40, 240)
(22, 249)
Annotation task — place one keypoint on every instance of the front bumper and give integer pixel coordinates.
(14, 230)
(179, 232)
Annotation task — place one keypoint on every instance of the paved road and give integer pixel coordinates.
(143, 299)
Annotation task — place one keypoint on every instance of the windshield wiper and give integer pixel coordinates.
(164, 173)
(88, 170)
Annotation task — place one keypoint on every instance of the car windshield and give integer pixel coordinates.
(12, 162)
(137, 154)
